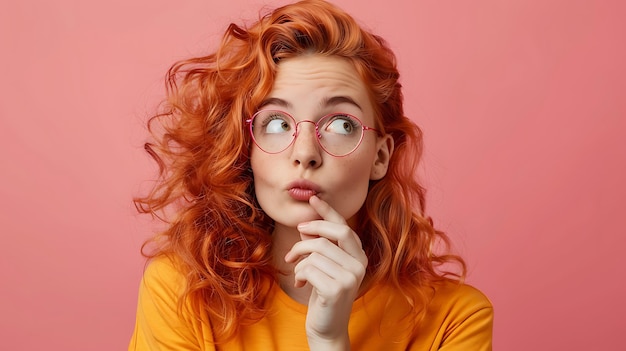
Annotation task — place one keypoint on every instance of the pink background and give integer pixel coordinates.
(523, 106)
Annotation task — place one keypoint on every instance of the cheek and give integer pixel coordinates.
(352, 187)
(359, 173)
(257, 163)
(361, 167)
(265, 176)
(259, 172)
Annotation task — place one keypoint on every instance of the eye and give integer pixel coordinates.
(276, 123)
(341, 124)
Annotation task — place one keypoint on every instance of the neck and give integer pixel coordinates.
(283, 239)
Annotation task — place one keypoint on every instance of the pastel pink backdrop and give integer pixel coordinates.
(523, 107)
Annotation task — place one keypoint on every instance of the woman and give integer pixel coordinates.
(295, 219)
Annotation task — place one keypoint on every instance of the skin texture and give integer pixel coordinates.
(314, 244)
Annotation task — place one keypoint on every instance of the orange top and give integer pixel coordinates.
(459, 318)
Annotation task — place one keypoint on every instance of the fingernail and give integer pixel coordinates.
(303, 225)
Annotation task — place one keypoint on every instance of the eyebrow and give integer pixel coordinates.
(275, 101)
(336, 100)
(326, 102)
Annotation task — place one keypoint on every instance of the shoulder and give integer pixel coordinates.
(455, 316)
(457, 302)
(163, 321)
(164, 276)
(445, 300)
(464, 313)
(461, 316)
(162, 266)
(459, 295)
(439, 296)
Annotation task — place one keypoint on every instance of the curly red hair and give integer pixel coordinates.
(217, 233)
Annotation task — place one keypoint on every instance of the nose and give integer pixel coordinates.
(306, 148)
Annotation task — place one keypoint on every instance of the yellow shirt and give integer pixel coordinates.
(459, 318)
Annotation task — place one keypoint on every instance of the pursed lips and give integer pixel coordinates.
(302, 190)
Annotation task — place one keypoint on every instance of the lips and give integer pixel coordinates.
(302, 190)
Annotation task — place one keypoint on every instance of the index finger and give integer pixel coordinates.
(325, 210)
(329, 214)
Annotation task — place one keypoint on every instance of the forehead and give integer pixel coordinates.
(317, 80)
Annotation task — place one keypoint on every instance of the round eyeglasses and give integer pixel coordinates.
(339, 134)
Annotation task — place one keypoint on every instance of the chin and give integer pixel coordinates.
(293, 218)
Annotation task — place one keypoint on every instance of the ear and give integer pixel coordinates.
(384, 151)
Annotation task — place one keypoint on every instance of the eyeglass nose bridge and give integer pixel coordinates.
(318, 136)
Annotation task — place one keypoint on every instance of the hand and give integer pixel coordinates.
(332, 260)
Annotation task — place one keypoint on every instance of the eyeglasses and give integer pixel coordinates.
(339, 134)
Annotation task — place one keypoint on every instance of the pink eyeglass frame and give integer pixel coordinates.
(317, 133)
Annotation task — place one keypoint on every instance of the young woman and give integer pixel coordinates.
(294, 217)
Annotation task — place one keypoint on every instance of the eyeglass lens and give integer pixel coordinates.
(273, 131)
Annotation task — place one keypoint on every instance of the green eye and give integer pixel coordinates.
(341, 125)
(277, 125)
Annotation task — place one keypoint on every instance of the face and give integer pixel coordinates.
(309, 88)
